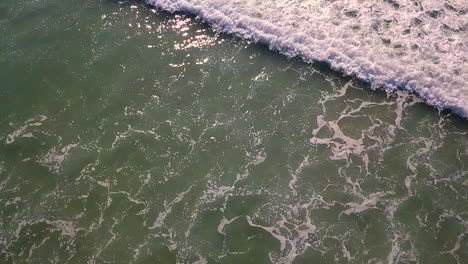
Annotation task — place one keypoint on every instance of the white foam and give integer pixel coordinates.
(22, 131)
(420, 46)
(368, 203)
(55, 157)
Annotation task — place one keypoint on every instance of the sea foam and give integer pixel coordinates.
(419, 46)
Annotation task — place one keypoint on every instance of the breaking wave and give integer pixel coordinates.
(419, 46)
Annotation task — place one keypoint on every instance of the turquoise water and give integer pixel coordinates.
(130, 135)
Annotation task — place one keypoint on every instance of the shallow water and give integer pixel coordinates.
(418, 46)
(129, 135)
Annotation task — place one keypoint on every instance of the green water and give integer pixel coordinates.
(128, 135)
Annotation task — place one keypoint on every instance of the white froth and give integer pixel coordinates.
(368, 203)
(420, 46)
(22, 131)
(55, 157)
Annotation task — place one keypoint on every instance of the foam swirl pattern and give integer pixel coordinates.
(131, 135)
(419, 46)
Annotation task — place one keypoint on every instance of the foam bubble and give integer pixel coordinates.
(421, 47)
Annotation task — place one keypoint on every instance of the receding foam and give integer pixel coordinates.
(419, 46)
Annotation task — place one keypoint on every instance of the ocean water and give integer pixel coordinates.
(130, 134)
(419, 46)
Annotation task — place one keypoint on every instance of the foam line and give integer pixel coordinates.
(419, 46)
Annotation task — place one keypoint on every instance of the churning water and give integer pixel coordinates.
(130, 134)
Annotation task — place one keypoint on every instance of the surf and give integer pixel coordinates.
(420, 47)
